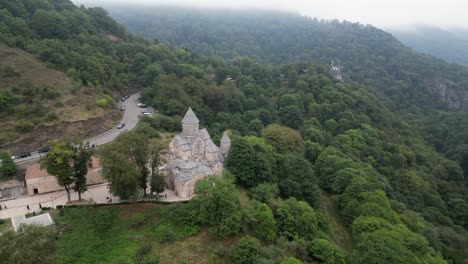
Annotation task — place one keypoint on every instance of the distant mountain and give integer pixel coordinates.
(448, 44)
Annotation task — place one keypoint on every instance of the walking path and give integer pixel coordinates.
(95, 194)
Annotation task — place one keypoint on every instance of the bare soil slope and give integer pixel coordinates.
(48, 106)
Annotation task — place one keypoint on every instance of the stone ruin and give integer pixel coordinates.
(192, 156)
(335, 71)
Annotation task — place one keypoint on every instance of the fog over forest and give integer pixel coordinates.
(382, 13)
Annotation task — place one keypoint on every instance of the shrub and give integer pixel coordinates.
(143, 257)
(138, 219)
(103, 219)
(106, 102)
(247, 251)
(2, 221)
(51, 116)
(291, 260)
(164, 233)
(24, 126)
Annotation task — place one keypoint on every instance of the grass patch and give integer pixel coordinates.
(6, 225)
(131, 232)
(340, 235)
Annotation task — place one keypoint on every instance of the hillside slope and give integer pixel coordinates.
(46, 104)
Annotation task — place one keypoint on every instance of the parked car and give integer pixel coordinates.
(122, 108)
(146, 113)
(121, 125)
(141, 105)
(44, 149)
(123, 99)
(23, 155)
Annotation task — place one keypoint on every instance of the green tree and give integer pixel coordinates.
(283, 139)
(59, 162)
(240, 161)
(31, 244)
(264, 192)
(296, 219)
(247, 251)
(291, 260)
(82, 160)
(7, 166)
(121, 172)
(156, 149)
(217, 203)
(265, 224)
(323, 251)
(49, 24)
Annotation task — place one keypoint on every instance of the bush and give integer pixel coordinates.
(24, 126)
(2, 221)
(103, 219)
(164, 233)
(247, 251)
(143, 257)
(106, 102)
(138, 219)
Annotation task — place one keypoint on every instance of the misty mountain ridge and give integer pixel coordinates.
(449, 44)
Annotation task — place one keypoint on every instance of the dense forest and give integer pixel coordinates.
(425, 90)
(298, 134)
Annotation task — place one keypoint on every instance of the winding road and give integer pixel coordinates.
(131, 117)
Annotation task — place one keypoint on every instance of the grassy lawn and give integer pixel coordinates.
(6, 226)
(112, 235)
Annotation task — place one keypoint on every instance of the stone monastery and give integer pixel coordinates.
(193, 156)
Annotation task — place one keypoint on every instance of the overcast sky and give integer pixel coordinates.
(382, 13)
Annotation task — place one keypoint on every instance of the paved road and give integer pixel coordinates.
(131, 117)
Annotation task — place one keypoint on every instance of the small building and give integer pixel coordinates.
(39, 181)
(40, 220)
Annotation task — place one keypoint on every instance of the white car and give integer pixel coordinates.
(141, 105)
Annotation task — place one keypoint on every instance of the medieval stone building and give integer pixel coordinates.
(192, 156)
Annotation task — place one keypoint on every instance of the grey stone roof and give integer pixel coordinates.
(204, 134)
(212, 147)
(190, 117)
(181, 140)
(225, 138)
(186, 170)
(42, 220)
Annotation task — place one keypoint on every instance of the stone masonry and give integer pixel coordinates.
(193, 156)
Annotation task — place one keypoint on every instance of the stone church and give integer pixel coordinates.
(192, 156)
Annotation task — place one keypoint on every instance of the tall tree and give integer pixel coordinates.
(82, 160)
(7, 165)
(156, 148)
(120, 171)
(59, 162)
(217, 203)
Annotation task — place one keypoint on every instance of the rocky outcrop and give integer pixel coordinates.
(449, 93)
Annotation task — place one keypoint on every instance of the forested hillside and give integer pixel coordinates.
(101, 59)
(297, 135)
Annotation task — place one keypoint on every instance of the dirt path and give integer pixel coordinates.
(340, 235)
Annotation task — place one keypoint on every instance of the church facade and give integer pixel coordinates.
(192, 156)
